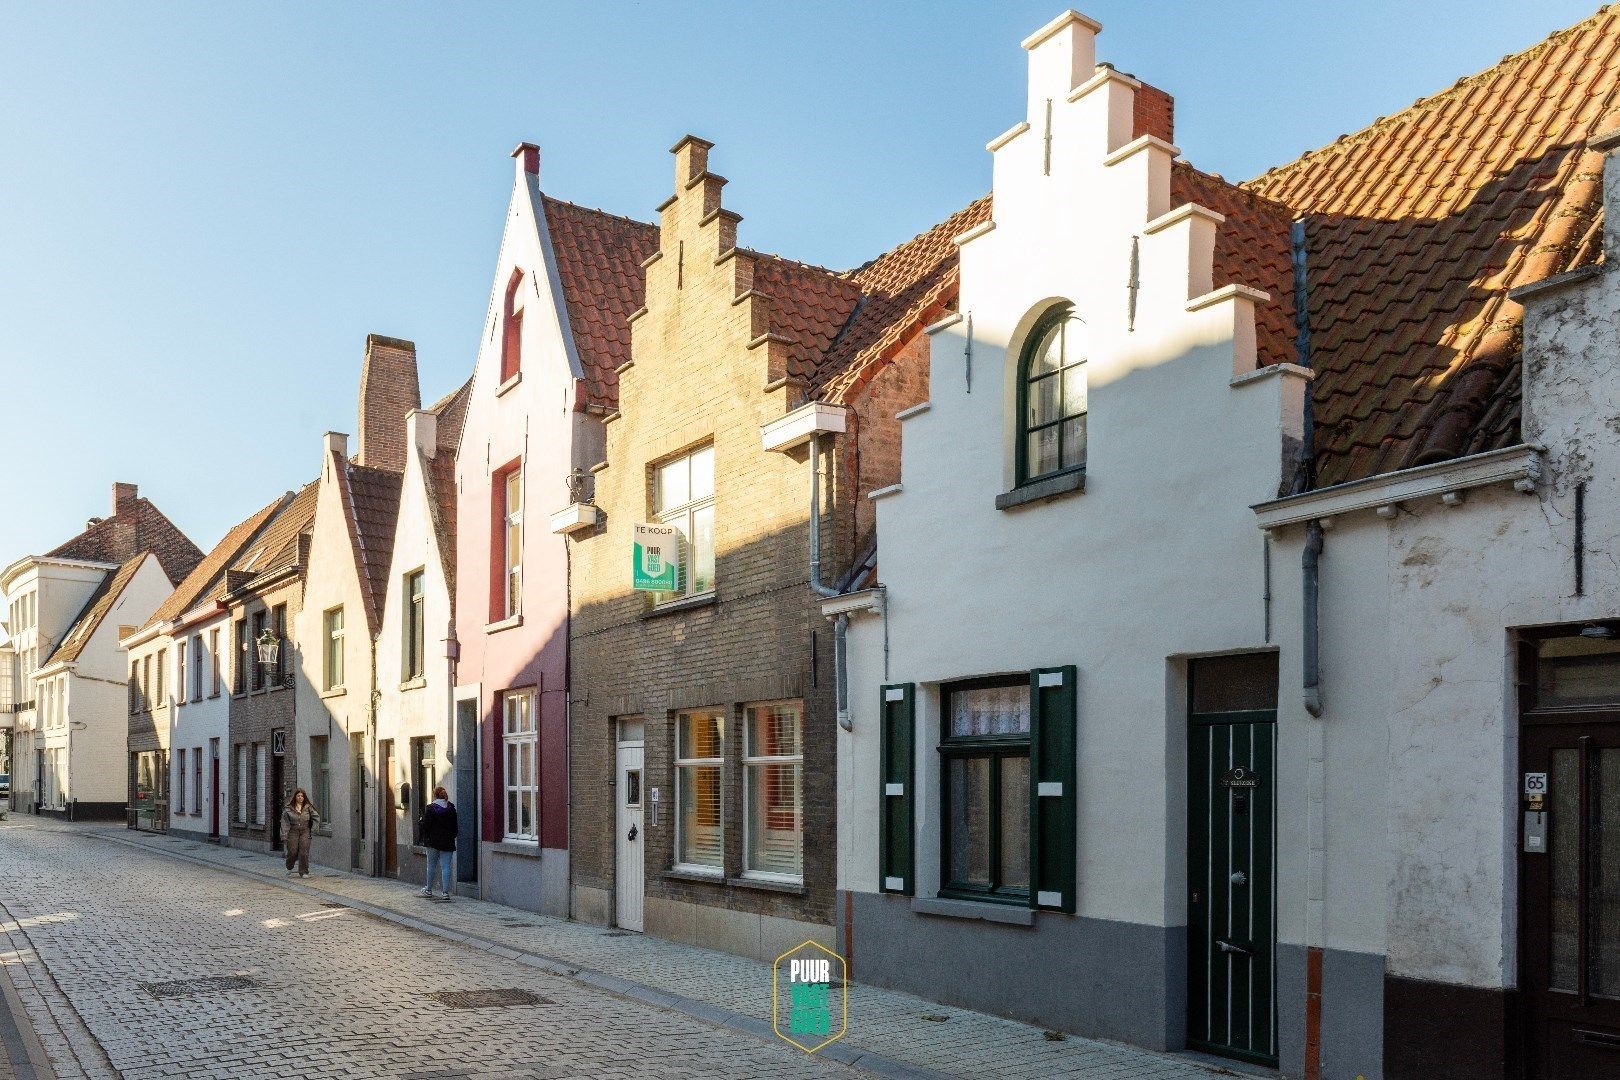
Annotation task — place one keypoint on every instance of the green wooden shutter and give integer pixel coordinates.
(897, 777)
(1052, 793)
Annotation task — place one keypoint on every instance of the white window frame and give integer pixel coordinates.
(519, 731)
(512, 542)
(683, 516)
(688, 766)
(332, 649)
(415, 623)
(753, 767)
(196, 646)
(320, 777)
(239, 780)
(259, 775)
(197, 786)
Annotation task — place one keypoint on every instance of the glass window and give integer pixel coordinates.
(773, 789)
(258, 676)
(239, 782)
(258, 780)
(520, 765)
(213, 658)
(332, 669)
(1576, 671)
(512, 545)
(320, 773)
(985, 765)
(180, 782)
(415, 625)
(699, 765)
(1052, 399)
(424, 778)
(197, 667)
(1245, 682)
(162, 662)
(196, 775)
(278, 629)
(512, 328)
(240, 663)
(683, 496)
(180, 673)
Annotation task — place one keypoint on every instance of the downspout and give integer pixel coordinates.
(841, 623)
(1311, 558)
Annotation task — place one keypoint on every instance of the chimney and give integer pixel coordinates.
(422, 432)
(123, 498)
(1608, 144)
(388, 390)
(1062, 55)
(335, 442)
(528, 159)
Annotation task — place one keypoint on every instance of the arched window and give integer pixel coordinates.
(512, 329)
(1052, 398)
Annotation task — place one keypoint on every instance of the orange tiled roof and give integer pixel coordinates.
(441, 475)
(808, 305)
(276, 547)
(138, 527)
(211, 571)
(598, 257)
(1415, 230)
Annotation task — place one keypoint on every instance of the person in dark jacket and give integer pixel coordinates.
(439, 830)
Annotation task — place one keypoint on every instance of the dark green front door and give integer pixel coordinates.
(1231, 881)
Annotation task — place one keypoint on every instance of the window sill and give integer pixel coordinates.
(517, 377)
(1050, 487)
(504, 624)
(215, 694)
(1010, 914)
(336, 691)
(706, 875)
(413, 684)
(794, 888)
(528, 849)
(708, 599)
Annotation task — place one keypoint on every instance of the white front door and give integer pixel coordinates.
(630, 847)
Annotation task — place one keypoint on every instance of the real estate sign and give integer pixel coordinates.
(656, 558)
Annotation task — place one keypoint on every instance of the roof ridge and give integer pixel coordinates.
(788, 260)
(572, 205)
(1433, 100)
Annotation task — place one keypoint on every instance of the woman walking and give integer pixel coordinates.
(300, 819)
(439, 830)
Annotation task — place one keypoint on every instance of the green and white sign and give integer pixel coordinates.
(657, 558)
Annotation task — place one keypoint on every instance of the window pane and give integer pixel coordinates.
(700, 735)
(1564, 849)
(1044, 400)
(700, 815)
(1043, 451)
(969, 780)
(1048, 355)
(990, 710)
(1234, 683)
(1074, 390)
(703, 473)
(701, 550)
(775, 834)
(773, 731)
(1015, 823)
(514, 492)
(673, 485)
(1074, 442)
(1578, 671)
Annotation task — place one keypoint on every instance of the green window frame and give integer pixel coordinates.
(993, 762)
(1052, 399)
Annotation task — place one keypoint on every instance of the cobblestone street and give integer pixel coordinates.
(332, 978)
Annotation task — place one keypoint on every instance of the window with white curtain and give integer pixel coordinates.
(773, 790)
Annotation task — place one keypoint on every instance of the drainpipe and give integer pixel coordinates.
(1310, 566)
(1310, 559)
(841, 623)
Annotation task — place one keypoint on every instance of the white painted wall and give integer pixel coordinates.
(1156, 560)
(1418, 832)
(197, 722)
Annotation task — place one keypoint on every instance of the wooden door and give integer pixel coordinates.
(278, 800)
(388, 808)
(466, 793)
(213, 790)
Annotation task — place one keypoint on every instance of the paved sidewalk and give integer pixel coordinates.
(889, 1033)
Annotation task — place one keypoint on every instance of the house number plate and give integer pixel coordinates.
(1240, 777)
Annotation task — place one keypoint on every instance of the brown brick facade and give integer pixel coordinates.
(257, 714)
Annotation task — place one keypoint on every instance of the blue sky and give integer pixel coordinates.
(207, 207)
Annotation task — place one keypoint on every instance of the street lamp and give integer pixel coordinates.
(267, 647)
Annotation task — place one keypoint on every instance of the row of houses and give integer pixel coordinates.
(1148, 606)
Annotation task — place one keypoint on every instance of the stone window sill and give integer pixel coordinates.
(517, 377)
(695, 873)
(413, 684)
(972, 909)
(528, 849)
(708, 599)
(336, 691)
(794, 888)
(1051, 487)
(504, 624)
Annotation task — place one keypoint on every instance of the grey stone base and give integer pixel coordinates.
(1352, 1013)
(532, 882)
(744, 933)
(594, 906)
(1092, 977)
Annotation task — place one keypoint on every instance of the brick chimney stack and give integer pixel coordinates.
(124, 498)
(388, 390)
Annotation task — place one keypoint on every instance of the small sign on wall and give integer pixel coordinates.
(278, 742)
(656, 558)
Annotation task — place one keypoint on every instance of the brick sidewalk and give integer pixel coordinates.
(906, 1030)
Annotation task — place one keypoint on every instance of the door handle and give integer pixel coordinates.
(633, 831)
(1239, 950)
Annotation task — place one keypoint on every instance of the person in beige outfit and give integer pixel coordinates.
(300, 819)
